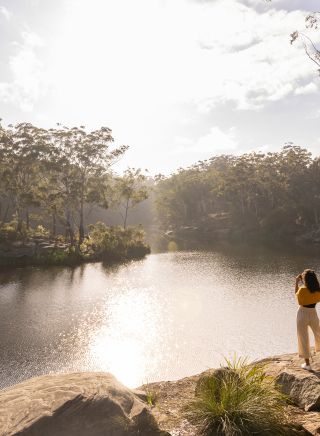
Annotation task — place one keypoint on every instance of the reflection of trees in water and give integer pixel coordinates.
(113, 268)
(28, 275)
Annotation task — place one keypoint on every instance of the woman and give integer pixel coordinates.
(308, 295)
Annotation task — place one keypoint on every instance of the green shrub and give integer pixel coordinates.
(114, 242)
(238, 400)
(8, 232)
(58, 257)
(39, 232)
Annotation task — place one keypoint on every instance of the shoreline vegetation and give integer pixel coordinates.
(50, 181)
(107, 244)
(254, 198)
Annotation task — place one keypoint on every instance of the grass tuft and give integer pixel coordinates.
(151, 394)
(239, 399)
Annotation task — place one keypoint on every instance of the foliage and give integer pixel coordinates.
(114, 242)
(150, 394)
(8, 232)
(48, 177)
(57, 257)
(242, 400)
(102, 243)
(77, 160)
(56, 173)
(311, 50)
(131, 190)
(260, 196)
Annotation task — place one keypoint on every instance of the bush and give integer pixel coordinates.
(114, 243)
(58, 257)
(8, 232)
(238, 400)
(39, 232)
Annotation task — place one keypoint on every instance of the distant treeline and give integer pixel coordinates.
(272, 196)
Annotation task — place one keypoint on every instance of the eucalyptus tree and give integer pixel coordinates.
(23, 150)
(130, 190)
(312, 21)
(78, 157)
(312, 50)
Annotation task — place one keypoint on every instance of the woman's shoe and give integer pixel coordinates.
(305, 366)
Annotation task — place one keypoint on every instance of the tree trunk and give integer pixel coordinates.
(19, 221)
(81, 224)
(3, 220)
(69, 229)
(126, 214)
(27, 219)
(54, 224)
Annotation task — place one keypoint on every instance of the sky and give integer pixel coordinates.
(177, 80)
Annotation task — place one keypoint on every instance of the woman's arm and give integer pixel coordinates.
(298, 279)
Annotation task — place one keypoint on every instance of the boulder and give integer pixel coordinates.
(82, 404)
(302, 387)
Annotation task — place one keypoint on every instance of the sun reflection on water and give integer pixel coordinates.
(117, 345)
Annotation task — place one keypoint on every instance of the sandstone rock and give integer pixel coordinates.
(82, 404)
(302, 387)
(173, 396)
(47, 247)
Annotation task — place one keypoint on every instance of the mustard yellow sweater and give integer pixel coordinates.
(305, 297)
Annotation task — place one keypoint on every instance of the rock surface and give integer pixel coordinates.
(82, 404)
(96, 404)
(302, 386)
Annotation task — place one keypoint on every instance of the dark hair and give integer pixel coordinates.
(311, 281)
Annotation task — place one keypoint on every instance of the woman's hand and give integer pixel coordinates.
(298, 279)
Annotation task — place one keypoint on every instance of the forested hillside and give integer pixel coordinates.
(254, 196)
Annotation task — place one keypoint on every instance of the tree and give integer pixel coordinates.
(312, 51)
(130, 190)
(78, 157)
(312, 21)
(22, 156)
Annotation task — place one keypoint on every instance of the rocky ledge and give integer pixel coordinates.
(96, 404)
(302, 387)
(82, 404)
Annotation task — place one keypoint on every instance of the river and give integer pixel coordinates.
(165, 317)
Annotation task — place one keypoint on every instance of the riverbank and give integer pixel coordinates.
(105, 244)
(91, 404)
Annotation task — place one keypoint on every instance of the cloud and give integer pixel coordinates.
(215, 141)
(6, 13)
(309, 88)
(210, 53)
(313, 116)
(251, 62)
(159, 63)
(29, 80)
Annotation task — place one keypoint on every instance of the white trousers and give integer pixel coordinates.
(307, 317)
